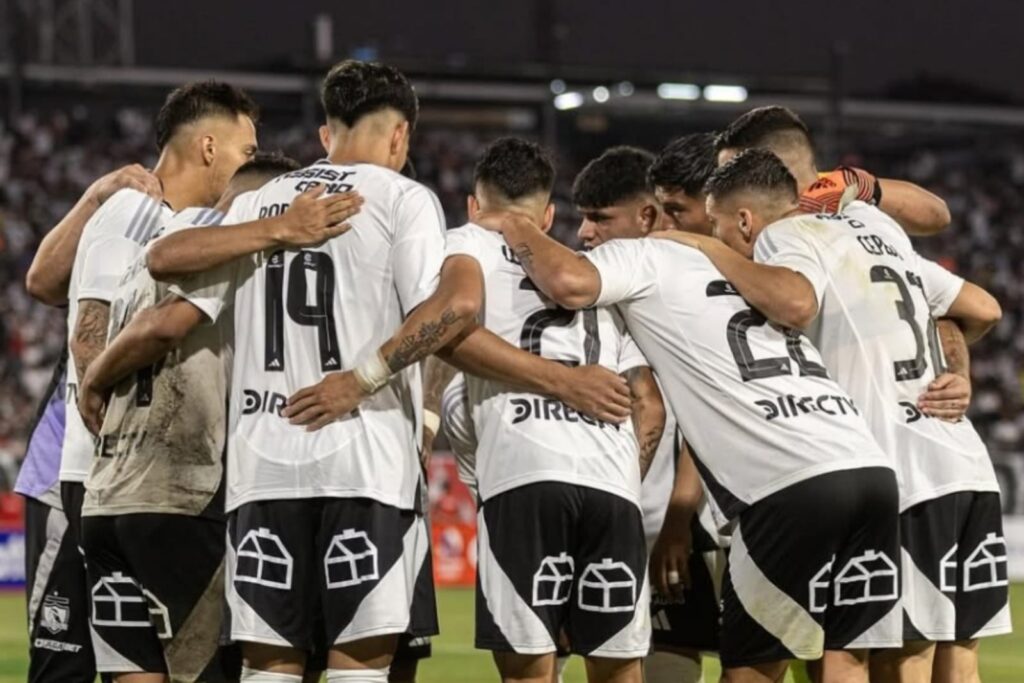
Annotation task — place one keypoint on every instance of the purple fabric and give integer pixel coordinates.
(41, 467)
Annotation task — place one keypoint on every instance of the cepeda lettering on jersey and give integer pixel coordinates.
(876, 246)
(265, 402)
(550, 409)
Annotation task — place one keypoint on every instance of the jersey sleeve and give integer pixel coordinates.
(209, 291)
(456, 418)
(788, 246)
(626, 270)
(630, 355)
(941, 287)
(419, 247)
(462, 242)
(106, 261)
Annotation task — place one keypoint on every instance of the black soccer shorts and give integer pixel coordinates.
(815, 567)
(157, 586)
(955, 582)
(327, 571)
(554, 558)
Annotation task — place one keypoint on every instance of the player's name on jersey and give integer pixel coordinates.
(550, 409)
(314, 176)
(790, 406)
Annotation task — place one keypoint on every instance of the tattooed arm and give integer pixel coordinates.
(434, 323)
(436, 376)
(949, 395)
(90, 334)
(648, 413)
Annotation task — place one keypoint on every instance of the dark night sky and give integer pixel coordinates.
(974, 42)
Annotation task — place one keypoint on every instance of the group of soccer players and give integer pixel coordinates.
(732, 424)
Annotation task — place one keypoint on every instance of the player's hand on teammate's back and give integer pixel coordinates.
(92, 405)
(670, 568)
(312, 219)
(947, 397)
(133, 177)
(330, 399)
(598, 392)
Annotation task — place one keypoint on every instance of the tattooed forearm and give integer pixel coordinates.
(426, 340)
(954, 347)
(436, 376)
(524, 254)
(90, 334)
(648, 414)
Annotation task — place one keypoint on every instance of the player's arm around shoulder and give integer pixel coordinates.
(310, 219)
(568, 278)
(919, 212)
(975, 311)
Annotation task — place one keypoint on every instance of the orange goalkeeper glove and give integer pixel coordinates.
(836, 189)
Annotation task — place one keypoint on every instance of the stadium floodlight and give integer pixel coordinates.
(625, 88)
(568, 100)
(557, 86)
(679, 91)
(601, 94)
(725, 93)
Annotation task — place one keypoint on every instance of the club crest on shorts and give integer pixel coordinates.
(56, 613)
(607, 586)
(119, 601)
(262, 559)
(351, 559)
(869, 577)
(552, 582)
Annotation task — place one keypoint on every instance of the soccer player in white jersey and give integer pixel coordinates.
(153, 527)
(776, 442)
(855, 283)
(615, 201)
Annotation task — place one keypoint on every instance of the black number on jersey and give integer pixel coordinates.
(536, 323)
(319, 314)
(762, 368)
(119, 311)
(912, 368)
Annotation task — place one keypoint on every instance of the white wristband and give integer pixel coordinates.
(431, 421)
(373, 374)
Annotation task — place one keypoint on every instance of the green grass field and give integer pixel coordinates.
(455, 660)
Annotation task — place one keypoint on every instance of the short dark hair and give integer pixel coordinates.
(270, 164)
(193, 101)
(764, 127)
(354, 89)
(620, 173)
(686, 163)
(515, 168)
(753, 169)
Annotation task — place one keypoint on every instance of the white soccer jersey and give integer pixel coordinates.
(755, 403)
(877, 304)
(162, 441)
(656, 490)
(526, 438)
(111, 240)
(301, 314)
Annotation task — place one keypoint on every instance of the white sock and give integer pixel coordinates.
(357, 675)
(257, 676)
(667, 667)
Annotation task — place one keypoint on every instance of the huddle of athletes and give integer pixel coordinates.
(733, 424)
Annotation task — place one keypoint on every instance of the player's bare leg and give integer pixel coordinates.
(140, 678)
(517, 668)
(844, 666)
(770, 672)
(956, 662)
(673, 665)
(372, 656)
(609, 670)
(910, 664)
(275, 659)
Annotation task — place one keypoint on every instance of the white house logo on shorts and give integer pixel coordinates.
(607, 586)
(871, 577)
(552, 582)
(262, 559)
(986, 566)
(119, 601)
(351, 559)
(818, 588)
(56, 613)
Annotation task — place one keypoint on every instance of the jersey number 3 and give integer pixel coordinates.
(318, 267)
